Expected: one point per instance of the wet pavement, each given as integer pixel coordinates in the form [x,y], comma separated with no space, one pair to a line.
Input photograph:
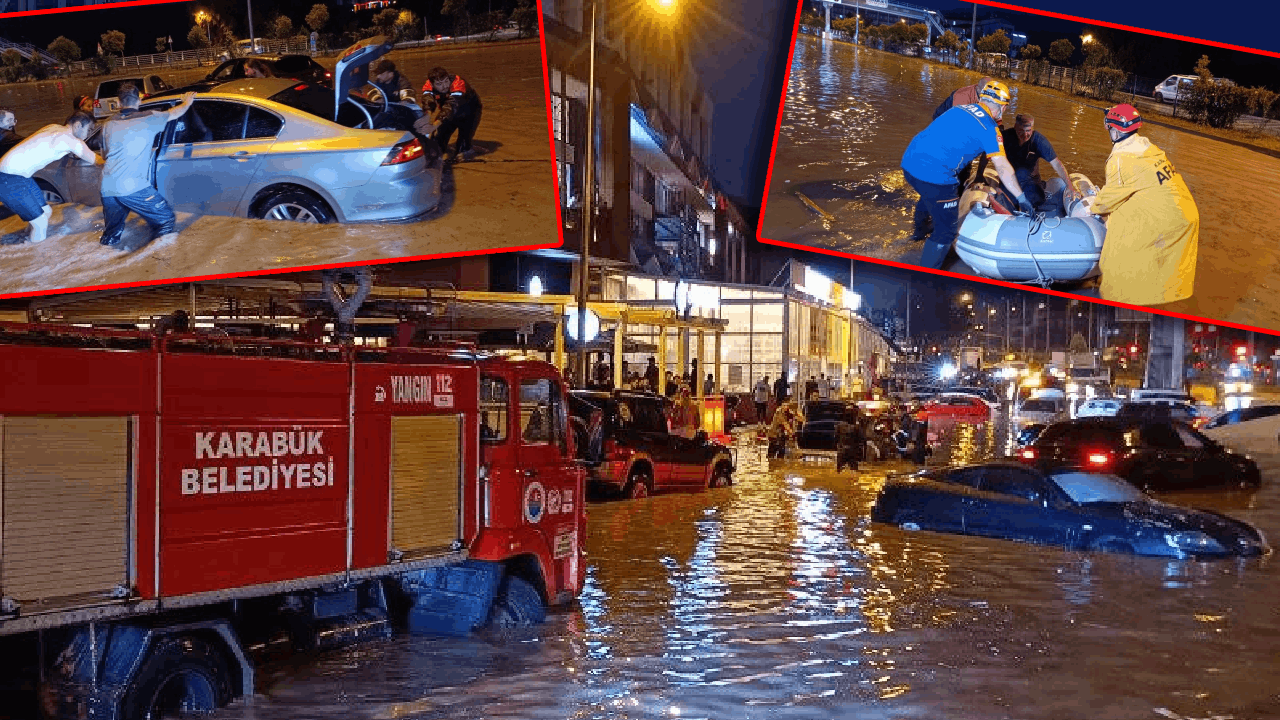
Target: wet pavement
[850,113]
[777,598]
[505,197]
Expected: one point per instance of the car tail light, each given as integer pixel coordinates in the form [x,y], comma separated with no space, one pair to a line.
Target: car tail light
[1028,453]
[300,87]
[404,152]
[1097,458]
[97,103]
[327,75]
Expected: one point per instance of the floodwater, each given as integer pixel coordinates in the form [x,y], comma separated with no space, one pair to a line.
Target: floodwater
[850,113]
[777,598]
[503,198]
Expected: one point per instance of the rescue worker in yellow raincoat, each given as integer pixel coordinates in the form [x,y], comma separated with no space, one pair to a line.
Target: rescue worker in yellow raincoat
[1153,227]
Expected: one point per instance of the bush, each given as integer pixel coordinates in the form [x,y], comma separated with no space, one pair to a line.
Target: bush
[1106,81]
[1215,103]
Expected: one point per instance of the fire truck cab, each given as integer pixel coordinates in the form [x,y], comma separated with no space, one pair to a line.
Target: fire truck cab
[171,504]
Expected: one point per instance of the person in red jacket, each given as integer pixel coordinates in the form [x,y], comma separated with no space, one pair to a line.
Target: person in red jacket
[457,108]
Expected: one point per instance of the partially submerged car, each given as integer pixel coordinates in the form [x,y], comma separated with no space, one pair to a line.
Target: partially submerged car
[624,440]
[1062,506]
[1158,455]
[282,149]
[818,433]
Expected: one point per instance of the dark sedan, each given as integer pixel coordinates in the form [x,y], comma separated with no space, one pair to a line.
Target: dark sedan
[1159,455]
[297,67]
[820,420]
[1066,507]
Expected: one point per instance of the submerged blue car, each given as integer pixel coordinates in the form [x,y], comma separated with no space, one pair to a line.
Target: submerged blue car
[1067,507]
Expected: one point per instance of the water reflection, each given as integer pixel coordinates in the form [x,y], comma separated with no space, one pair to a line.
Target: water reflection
[776,598]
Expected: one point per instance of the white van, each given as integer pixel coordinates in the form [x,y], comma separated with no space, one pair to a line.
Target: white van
[1173,87]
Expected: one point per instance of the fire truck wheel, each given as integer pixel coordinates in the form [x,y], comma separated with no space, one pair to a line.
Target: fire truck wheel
[722,478]
[638,485]
[517,604]
[182,677]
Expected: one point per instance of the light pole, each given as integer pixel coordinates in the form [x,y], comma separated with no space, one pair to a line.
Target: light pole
[588,204]
[253,43]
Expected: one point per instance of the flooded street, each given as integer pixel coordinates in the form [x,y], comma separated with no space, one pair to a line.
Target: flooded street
[850,113]
[777,598]
[503,198]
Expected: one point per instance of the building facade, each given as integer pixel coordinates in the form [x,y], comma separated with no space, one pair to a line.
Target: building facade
[656,204]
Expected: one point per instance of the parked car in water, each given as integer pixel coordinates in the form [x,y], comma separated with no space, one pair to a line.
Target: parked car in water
[298,67]
[820,420]
[105,103]
[1059,506]
[1041,410]
[1255,428]
[1158,455]
[623,439]
[1098,407]
[1182,412]
[281,149]
[957,405]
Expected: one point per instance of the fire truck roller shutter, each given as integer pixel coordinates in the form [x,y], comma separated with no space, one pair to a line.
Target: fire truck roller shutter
[426,491]
[71,474]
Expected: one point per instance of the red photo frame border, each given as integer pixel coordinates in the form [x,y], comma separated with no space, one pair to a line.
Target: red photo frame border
[786,82]
[555,190]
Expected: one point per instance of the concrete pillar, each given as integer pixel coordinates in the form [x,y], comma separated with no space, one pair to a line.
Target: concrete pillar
[619,335]
[717,351]
[1166,353]
[826,29]
[559,348]
[682,353]
[662,360]
[702,364]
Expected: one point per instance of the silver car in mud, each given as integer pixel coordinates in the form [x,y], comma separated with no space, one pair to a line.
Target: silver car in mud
[281,149]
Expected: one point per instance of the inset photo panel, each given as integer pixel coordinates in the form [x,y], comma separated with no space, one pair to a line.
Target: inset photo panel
[1051,153]
[152,142]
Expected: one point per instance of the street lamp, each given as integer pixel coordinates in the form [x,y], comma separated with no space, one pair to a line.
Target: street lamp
[1086,39]
[588,200]
[203,18]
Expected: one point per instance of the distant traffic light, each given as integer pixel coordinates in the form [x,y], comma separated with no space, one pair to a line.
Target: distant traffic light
[1242,350]
[1133,349]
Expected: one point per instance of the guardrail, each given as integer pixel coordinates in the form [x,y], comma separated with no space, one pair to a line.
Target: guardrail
[300,45]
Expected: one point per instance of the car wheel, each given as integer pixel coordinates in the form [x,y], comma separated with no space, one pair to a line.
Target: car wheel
[721,478]
[181,677]
[1159,98]
[295,206]
[51,195]
[638,485]
[517,604]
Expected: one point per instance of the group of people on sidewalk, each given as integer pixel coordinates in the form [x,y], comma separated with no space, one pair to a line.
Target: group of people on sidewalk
[1152,240]
[127,141]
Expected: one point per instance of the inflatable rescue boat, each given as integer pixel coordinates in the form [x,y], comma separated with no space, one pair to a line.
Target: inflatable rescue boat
[1059,242]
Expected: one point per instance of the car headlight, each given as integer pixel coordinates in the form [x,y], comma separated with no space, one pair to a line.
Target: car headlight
[1193,541]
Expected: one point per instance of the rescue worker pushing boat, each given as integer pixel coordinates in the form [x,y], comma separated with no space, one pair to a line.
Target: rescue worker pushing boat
[1153,225]
[938,153]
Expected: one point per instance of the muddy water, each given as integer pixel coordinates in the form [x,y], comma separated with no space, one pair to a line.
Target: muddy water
[850,113]
[503,198]
[776,598]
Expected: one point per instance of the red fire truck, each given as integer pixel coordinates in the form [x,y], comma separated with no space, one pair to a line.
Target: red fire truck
[173,503]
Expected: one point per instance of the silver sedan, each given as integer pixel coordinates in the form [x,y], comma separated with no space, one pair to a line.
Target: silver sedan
[276,148]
